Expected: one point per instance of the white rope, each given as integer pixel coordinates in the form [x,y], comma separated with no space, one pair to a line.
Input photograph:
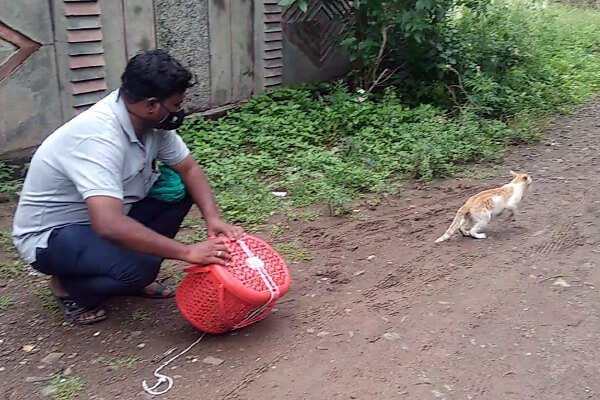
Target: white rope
[256,264]
[164,378]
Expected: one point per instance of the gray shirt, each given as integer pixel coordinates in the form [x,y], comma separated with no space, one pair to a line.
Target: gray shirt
[96,153]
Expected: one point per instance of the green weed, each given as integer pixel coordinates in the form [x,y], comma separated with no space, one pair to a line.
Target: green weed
[6,302]
[305,216]
[8,184]
[117,364]
[195,237]
[174,272]
[359,216]
[48,301]
[6,242]
[12,269]
[141,316]
[293,251]
[189,223]
[67,388]
[276,231]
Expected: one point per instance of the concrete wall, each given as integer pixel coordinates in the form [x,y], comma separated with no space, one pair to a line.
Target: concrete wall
[29,90]
[182,29]
[79,48]
[231,51]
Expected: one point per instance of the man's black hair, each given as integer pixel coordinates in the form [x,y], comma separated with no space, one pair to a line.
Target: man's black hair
[154,74]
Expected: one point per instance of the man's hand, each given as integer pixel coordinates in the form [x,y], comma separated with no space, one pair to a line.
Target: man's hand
[208,252]
[218,226]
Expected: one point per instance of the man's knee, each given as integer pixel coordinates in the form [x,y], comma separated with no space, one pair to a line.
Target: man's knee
[139,272]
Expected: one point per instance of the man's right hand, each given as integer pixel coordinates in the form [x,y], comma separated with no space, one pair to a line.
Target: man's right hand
[211,251]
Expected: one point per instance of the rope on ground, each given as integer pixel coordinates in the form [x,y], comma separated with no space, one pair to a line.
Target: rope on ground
[161,378]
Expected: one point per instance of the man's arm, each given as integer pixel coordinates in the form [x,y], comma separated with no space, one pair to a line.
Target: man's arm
[94,166]
[197,185]
[195,181]
[109,222]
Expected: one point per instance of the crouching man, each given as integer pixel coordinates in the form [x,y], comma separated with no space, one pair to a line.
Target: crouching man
[84,216]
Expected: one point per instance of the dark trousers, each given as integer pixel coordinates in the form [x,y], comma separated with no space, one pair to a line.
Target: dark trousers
[92,269]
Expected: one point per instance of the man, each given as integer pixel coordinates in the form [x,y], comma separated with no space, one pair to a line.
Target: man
[84,216]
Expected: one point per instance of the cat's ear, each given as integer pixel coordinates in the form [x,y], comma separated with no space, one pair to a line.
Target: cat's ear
[513,173]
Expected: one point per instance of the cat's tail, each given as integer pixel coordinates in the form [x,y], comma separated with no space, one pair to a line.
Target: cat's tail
[459,219]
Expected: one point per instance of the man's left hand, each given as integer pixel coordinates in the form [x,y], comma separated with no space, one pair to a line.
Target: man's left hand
[217,227]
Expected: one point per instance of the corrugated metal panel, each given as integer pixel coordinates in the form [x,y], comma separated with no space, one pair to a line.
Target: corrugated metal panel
[94,60]
[86,52]
[273,44]
[86,48]
[84,74]
[90,86]
[84,35]
[82,8]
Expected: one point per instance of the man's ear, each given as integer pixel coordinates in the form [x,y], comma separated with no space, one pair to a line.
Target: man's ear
[152,105]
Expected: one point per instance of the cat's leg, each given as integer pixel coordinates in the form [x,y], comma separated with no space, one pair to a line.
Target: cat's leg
[481,220]
[466,225]
[512,213]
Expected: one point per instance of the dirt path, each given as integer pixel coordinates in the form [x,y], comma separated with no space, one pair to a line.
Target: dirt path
[380,312]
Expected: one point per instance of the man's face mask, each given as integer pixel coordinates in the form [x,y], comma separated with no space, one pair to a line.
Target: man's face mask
[172,120]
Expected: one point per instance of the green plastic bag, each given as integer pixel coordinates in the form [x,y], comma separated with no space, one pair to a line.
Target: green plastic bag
[169,187]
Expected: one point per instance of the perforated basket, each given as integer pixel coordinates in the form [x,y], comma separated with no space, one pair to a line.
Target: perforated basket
[217,299]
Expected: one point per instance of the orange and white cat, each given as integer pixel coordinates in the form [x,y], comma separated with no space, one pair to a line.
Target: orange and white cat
[477,212]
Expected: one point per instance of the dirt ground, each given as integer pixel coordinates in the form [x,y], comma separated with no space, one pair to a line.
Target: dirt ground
[380,312]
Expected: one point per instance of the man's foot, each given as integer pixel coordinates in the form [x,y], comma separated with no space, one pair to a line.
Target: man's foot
[159,289]
[71,310]
[78,315]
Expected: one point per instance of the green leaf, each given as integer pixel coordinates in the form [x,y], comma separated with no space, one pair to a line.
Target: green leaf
[303,5]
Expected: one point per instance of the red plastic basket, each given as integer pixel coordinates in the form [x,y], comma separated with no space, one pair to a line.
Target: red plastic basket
[217,299]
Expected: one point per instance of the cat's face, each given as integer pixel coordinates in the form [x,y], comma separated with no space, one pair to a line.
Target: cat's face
[521,178]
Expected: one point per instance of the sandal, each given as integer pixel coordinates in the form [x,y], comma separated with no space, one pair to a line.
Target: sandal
[159,290]
[73,312]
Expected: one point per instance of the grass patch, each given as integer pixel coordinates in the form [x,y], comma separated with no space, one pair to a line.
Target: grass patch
[359,216]
[8,183]
[117,364]
[67,388]
[190,223]
[276,231]
[48,301]
[174,272]
[12,269]
[329,149]
[6,302]
[306,216]
[6,242]
[293,251]
[141,316]
[196,237]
